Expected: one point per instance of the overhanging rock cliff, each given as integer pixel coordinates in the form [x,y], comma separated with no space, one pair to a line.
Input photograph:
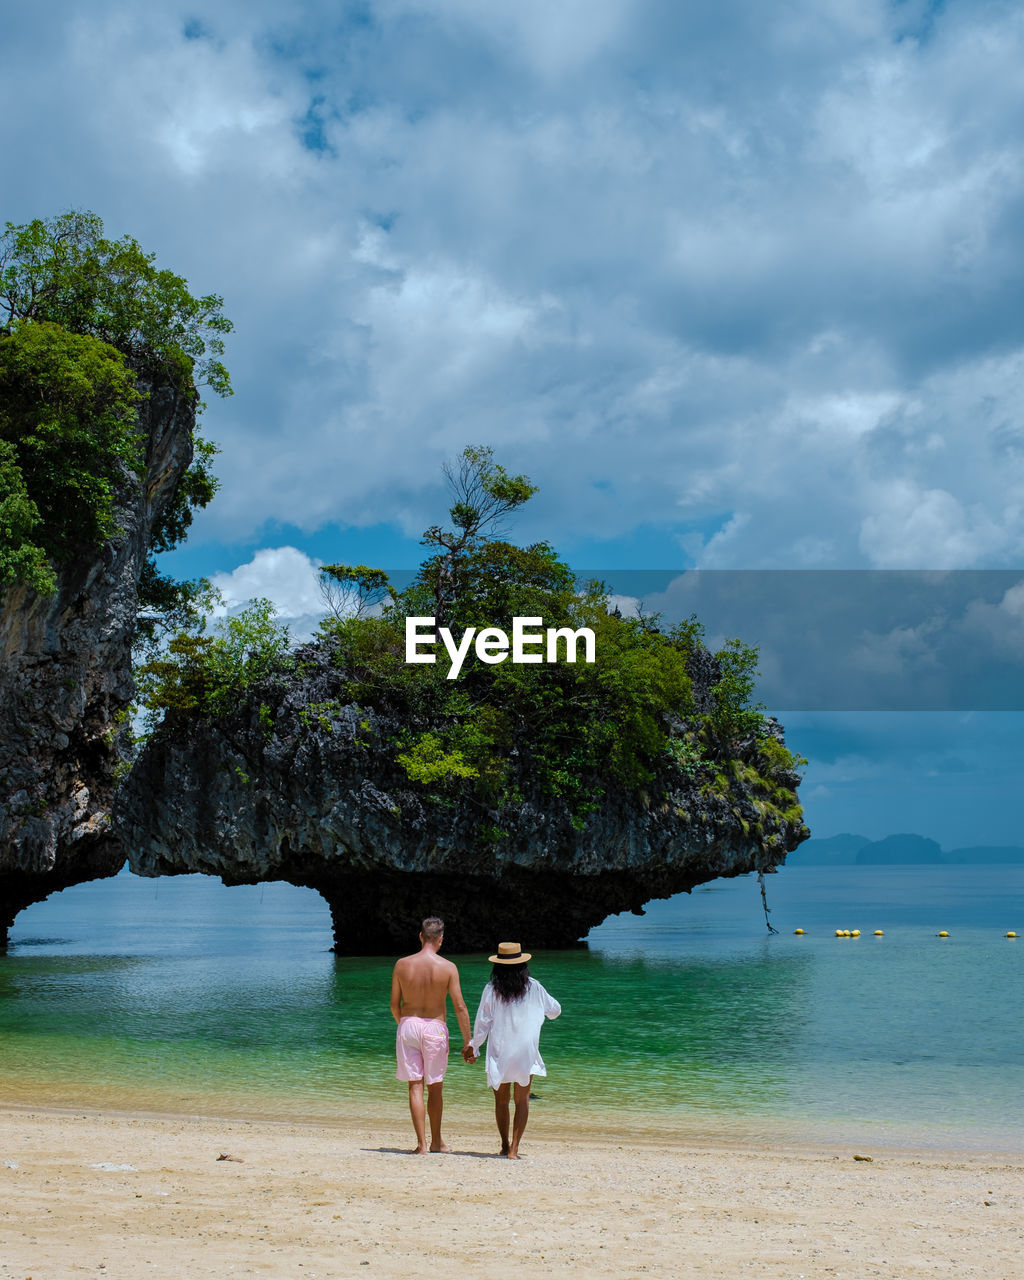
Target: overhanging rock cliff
[66,683]
[298,786]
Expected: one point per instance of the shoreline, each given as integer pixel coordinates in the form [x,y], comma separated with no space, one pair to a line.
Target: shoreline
[617,1127]
[133,1194]
[638,1129]
[739,1129]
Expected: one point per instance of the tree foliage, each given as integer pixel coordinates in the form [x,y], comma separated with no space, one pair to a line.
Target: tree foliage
[21,558]
[81,318]
[67,414]
[64,271]
[484,496]
[207,673]
[352,591]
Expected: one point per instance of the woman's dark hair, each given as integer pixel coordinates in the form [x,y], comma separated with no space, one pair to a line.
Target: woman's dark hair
[509,981]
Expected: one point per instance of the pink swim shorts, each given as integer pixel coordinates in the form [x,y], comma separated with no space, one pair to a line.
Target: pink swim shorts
[421,1047]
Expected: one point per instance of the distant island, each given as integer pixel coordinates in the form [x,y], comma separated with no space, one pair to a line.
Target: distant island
[849,850]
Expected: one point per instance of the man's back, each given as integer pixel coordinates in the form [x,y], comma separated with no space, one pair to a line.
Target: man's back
[423,981]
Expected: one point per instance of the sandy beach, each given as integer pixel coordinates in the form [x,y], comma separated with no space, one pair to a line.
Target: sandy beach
[146,1195]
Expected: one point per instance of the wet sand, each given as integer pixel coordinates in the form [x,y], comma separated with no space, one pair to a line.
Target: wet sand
[123,1195]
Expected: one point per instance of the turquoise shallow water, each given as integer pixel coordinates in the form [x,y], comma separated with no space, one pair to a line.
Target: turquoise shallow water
[182,994]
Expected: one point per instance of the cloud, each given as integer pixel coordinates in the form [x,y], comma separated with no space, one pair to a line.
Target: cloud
[283,575]
[873,640]
[999,626]
[749,277]
[550,40]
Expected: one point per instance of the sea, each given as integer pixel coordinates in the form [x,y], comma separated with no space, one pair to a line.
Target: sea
[181,995]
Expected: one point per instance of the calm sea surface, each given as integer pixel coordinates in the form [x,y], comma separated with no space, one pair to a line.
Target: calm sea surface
[182,994]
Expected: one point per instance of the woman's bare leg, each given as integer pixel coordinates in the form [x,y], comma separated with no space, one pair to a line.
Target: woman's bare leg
[501,1096]
[522,1099]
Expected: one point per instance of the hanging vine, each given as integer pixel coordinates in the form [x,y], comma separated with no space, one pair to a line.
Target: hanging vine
[764,902]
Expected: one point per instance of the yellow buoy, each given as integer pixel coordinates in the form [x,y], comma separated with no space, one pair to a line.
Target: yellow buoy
[943,934]
[879,933]
[855,933]
[798,930]
[1011,934]
[839,933]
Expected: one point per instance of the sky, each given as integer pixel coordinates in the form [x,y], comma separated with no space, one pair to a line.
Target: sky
[738,286]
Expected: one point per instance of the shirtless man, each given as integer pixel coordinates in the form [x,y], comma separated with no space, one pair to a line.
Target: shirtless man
[420,985]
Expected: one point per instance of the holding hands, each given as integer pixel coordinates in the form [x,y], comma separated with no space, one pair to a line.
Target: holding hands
[468,1053]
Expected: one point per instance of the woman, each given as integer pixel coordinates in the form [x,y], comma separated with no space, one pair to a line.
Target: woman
[511,1013]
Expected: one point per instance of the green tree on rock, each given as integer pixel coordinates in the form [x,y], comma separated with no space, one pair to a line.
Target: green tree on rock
[65,271]
[83,319]
[484,497]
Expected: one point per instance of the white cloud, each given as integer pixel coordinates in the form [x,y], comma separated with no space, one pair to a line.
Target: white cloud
[916,527]
[628,606]
[283,575]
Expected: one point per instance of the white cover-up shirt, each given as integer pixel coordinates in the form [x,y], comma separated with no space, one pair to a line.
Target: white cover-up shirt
[512,1032]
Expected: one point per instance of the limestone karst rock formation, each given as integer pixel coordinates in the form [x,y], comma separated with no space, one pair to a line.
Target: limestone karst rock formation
[298,785]
[66,681]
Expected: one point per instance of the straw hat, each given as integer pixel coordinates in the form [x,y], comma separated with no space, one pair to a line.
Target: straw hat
[510,953]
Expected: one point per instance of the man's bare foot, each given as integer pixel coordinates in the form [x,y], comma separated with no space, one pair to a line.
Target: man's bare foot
[442,1148]
[512,1153]
[504,1148]
[418,1151]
